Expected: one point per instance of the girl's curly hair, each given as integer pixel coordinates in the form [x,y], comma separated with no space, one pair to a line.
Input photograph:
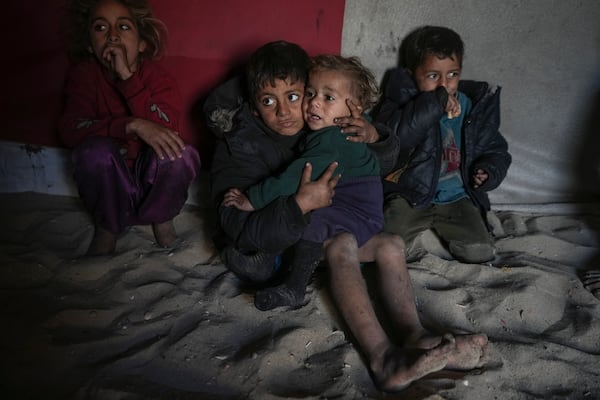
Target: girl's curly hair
[151,30]
[364,86]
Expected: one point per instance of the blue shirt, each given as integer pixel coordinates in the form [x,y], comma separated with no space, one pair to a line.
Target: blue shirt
[450,185]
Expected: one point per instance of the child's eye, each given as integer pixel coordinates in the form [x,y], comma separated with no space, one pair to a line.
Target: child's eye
[293,97]
[267,101]
[432,76]
[98,27]
[454,74]
[124,27]
[309,94]
[329,98]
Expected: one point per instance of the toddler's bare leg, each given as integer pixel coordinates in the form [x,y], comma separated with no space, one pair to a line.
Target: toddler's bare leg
[397,291]
[393,368]
[387,250]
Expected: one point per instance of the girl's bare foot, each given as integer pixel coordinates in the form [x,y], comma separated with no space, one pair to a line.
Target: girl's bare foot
[400,367]
[164,233]
[103,243]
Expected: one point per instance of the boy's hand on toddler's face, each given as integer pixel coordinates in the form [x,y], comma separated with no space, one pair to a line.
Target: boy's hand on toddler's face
[164,141]
[479,178]
[355,126]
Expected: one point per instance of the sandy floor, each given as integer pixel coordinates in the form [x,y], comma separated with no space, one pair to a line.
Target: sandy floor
[150,323]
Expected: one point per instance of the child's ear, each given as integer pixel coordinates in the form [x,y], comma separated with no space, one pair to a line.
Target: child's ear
[142,46]
[90,50]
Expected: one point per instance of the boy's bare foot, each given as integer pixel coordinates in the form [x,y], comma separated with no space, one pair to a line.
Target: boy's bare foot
[164,233]
[103,242]
[400,367]
[591,281]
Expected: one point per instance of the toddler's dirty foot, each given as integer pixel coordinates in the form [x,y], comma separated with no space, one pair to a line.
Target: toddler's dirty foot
[278,296]
[400,366]
[103,243]
[469,352]
[164,233]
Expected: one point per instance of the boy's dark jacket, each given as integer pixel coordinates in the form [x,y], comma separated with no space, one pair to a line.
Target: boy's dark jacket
[414,118]
[247,152]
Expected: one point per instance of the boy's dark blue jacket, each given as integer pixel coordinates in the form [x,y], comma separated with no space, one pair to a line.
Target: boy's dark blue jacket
[247,152]
[414,118]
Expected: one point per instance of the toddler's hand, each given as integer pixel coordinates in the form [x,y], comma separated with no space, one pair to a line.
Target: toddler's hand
[235,198]
[312,195]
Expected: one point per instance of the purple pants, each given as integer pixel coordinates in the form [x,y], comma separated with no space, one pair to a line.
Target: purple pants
[357,208]
[153,191]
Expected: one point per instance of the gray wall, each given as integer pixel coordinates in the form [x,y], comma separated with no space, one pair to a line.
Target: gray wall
[546,57]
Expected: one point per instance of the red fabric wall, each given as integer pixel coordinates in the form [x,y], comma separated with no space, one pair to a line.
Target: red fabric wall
[207,41]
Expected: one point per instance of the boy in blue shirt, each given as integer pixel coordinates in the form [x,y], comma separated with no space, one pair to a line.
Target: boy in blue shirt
[451,153]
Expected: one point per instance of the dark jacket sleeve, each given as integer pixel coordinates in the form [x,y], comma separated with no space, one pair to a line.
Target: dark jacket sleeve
[490,149]
[386,149]
[408,113]
[271,229]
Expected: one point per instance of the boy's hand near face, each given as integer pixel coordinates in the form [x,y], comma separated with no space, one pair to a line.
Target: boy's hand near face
[355,126]
[452,106]
[479,178]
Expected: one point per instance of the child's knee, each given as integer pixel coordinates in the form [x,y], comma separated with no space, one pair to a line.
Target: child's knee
[188,165]
[394,240]
[95,154]
[472,253]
